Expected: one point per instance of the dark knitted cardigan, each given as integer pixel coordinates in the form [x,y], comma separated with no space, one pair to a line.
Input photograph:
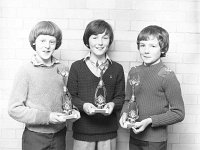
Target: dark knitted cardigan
[158,96]
[82,84]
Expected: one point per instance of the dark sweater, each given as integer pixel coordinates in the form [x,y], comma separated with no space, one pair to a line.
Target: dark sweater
[158,96]
[82,84]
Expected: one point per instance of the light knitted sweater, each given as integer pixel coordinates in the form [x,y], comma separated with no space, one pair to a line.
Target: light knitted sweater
[36,92]
[158,96]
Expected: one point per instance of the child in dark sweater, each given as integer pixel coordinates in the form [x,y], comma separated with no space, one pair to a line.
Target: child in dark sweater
[96,130]
[157,94]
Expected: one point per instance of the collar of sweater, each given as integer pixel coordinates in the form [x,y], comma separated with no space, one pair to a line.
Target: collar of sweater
[153,67]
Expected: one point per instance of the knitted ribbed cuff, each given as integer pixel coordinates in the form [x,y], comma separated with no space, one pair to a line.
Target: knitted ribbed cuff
[94,137]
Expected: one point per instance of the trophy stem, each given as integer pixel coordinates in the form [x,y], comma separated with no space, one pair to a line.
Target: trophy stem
[66,99]
[64,89]
[132,105]
[133,93]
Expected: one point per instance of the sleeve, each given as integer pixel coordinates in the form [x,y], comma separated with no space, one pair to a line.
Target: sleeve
[119,90]
[176,112]
[17,108]
[72,86]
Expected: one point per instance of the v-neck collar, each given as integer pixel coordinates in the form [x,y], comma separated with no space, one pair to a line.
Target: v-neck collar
[88,69]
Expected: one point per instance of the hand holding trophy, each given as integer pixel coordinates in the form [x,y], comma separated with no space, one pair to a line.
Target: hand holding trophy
[133,115]
[67,104]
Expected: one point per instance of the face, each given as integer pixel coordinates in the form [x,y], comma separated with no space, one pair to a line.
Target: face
[99,44]
[150,51]
[45,46]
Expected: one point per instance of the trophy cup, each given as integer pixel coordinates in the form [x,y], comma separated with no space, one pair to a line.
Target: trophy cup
[67,104]
[133,115]
[100,95]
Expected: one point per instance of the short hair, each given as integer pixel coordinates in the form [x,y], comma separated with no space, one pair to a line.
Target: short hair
[45,28]
[158,32]
[97,27]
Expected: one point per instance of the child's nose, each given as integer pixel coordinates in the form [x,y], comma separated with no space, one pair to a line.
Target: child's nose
[100,41]
[47,44]
[146,49]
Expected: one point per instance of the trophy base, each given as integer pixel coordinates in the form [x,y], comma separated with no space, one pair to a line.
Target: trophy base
[129,125]
[71,116]
[102,111]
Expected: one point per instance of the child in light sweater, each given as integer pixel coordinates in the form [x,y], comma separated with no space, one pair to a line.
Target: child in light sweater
[157,93]
[37,95]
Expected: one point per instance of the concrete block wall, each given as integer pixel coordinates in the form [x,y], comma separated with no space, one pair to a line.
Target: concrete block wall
[127,17]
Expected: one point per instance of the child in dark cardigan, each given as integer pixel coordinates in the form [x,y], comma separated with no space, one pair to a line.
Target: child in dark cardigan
[157,94]
[96,130]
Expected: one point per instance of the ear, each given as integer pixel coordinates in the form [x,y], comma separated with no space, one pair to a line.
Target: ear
[87,46]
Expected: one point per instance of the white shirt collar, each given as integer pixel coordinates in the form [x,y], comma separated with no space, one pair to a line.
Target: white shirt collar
[36,62]
[89,54]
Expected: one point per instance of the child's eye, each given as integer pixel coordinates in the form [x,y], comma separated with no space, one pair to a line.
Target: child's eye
[52,42]
[42,40]
[105,37]
[93,36]
[142,45]
[153,46]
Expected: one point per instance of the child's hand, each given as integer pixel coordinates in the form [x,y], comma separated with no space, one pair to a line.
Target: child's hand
[75,113]
[109,108]
[56,118]
[89,108]
[123,120]
[141,126]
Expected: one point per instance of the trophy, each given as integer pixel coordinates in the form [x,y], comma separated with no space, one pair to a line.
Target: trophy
[100,94]
[133,115]
[67,104]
